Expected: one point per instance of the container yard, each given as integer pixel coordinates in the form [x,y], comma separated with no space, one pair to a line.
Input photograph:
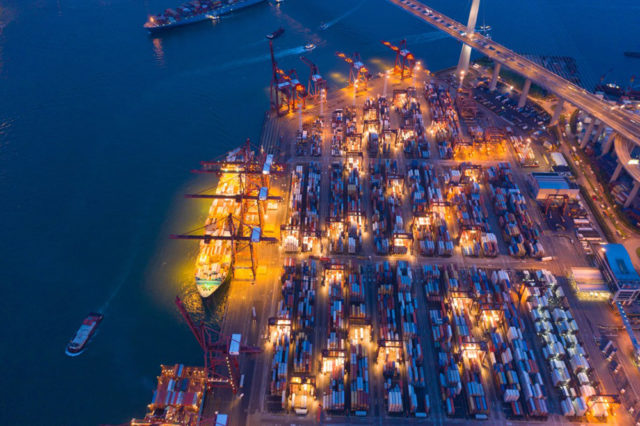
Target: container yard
[519,231]
[407,283]
[474,227]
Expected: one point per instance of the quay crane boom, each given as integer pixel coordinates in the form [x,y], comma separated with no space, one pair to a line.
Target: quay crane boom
[316,83]
[221,353]
[404,58]
[358,72]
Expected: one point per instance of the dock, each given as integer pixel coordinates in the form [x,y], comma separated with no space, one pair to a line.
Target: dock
[407,283]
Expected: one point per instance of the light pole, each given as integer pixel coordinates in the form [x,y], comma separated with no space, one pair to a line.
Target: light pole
[386,80]
[355,90]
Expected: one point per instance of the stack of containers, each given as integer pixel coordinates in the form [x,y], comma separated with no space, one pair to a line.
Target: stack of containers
[357,305]
[519,231]
[354,208]
[390,344]
[557,331]
[445,122]
[379,221]
[279,367]
[415,145]
[334,399]
[337,321]
[292,244]
[417,396]
[303,350]
[310,224]
[476,398]
[305,312]
[450,280]
[336,209]
[359,369]
[431,279]
[449,374]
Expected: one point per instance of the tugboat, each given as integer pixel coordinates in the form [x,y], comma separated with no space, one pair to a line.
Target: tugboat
[88,327]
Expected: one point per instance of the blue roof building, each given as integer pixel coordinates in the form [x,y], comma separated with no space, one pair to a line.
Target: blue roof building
[620,271]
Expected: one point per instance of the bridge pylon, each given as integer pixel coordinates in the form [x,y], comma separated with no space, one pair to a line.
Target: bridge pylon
[465,53]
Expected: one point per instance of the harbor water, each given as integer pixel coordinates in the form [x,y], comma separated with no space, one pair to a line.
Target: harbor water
[100,124]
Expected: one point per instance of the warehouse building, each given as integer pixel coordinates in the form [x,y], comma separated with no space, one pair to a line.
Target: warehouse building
[618,269]
[548,185]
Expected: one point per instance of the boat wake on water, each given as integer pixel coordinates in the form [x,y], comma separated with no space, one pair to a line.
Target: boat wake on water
[262,58]
[424,37]
[329,24]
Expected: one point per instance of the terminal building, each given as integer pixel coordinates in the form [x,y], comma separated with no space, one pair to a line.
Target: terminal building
[619,271]
[549,185]
[589,283]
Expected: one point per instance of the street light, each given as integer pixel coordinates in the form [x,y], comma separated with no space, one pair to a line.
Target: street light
[386,80]
[355,90]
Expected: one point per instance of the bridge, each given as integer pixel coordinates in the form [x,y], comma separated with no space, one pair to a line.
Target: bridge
[624,125]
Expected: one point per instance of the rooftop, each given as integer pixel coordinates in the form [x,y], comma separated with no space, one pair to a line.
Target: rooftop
[550,180]
[589,279]
[620,263]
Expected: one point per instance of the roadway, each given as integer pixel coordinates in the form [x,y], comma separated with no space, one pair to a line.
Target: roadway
[624,123]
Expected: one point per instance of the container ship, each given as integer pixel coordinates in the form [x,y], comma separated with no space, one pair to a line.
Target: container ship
[195,11]
[214,262]
[84,333]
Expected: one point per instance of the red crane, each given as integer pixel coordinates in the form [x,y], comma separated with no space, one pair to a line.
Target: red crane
[241,236]
[278,83]
[358,72]
[298,91]
[316,83]
[220,352]
[253,176]
[404,58]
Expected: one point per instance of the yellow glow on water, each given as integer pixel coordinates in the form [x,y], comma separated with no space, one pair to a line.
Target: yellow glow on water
[339,77]
[171,270]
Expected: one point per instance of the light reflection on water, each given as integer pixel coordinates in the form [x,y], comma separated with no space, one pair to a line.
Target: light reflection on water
[158,51]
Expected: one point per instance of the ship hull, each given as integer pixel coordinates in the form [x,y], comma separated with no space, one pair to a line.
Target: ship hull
[208,16]
[207,287]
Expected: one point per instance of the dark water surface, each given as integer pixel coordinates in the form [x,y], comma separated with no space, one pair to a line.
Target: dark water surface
[99,127]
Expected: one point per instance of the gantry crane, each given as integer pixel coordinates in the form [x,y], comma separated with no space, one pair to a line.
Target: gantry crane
[276,75]
[241,235]
[404,58]
[221,353]
[316,83]
[358,72]
[298,91]
[253,176]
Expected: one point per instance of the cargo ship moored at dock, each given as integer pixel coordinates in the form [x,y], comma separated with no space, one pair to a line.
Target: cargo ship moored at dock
[195,11]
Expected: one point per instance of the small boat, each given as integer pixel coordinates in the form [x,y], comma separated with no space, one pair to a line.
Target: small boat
[277,33]
[324,26]
[87,329]
[309,47]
